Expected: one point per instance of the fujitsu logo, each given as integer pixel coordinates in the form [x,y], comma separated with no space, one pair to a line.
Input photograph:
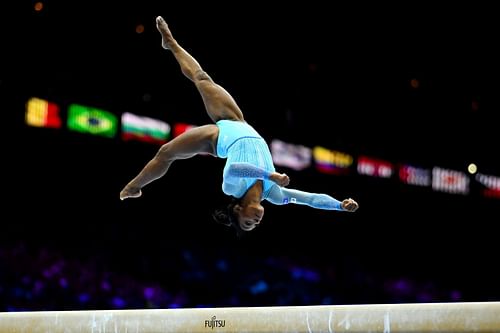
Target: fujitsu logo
[214,322]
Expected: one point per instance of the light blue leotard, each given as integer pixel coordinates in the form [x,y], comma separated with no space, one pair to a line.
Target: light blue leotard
[249,159]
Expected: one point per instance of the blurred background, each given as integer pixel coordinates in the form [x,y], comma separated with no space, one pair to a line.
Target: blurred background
[380,108]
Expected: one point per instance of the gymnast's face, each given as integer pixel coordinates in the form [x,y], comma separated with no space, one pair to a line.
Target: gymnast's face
[249,216]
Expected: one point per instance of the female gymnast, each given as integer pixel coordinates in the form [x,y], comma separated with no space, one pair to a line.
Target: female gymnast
[249,176]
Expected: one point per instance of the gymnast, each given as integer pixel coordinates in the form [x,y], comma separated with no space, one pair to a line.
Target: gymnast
[249,176]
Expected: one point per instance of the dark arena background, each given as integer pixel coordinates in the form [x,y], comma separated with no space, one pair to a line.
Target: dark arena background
[371,107]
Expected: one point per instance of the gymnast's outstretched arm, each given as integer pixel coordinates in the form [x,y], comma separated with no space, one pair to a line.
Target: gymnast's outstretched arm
[282,196]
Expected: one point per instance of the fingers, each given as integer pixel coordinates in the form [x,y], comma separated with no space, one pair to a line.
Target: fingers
[350,205]
[285,179]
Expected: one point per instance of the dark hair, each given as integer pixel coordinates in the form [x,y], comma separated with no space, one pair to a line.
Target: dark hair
[228,217]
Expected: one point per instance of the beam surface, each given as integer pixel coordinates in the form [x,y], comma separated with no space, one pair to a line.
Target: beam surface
[385,318]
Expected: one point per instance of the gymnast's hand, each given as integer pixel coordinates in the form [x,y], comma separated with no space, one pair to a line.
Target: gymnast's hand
[349,205]
[280,178]
[130,192]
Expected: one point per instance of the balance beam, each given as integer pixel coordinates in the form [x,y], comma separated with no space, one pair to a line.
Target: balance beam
[384,318]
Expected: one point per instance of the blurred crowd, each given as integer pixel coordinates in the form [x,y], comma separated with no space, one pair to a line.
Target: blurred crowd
[44,279]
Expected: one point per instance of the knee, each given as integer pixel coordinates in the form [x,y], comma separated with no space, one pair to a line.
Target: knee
[201,75]
[164,154]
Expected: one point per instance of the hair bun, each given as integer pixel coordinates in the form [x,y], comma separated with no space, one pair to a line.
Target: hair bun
[220,216]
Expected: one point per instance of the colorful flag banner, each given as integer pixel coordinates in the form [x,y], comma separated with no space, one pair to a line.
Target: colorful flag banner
[92,121]
[41,113]
[145,129]
[331,161]
[451,181]
[292,156]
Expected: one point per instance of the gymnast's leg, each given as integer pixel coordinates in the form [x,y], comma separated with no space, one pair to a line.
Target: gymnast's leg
[201,139]
[219,104]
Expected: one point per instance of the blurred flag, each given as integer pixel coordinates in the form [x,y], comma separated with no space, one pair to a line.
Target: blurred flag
[289,155]
[331,161]
[180,128]
[374,167]
[415,176]
[490,185]
[145,129]
[91,120]
[450,181]
[41,113]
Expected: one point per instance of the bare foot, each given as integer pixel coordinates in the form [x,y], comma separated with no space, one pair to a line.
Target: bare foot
[128,192]
[166,35]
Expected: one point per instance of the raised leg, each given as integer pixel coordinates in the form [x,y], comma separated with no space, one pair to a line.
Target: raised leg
[201,139]
[218,102]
